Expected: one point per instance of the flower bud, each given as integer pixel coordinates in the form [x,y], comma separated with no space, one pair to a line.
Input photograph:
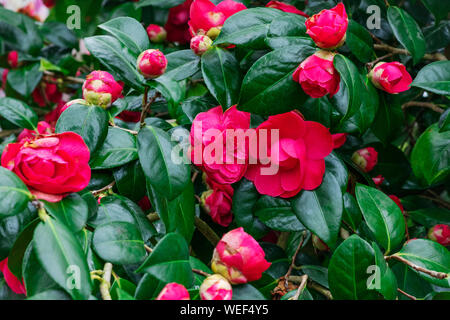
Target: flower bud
[173,291]
[365,158]
[317,75]
[101,89]
[13,59]
[378,180]
[328,28]
[217,202]
[239,258]
[216,287]
[391,77]
[4,78]
[319,244]
[440,233]
[156,34]
[49,3]
[200,44]
[397,201]
[151,63]
[286,8]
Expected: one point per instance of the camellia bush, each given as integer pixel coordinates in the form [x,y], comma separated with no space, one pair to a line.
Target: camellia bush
[218,150]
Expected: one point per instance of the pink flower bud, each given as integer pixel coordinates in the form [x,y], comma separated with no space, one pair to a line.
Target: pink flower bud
[391,77]
[11,280]
[378,180]
[13,59]
[397,201]
[285,7]
[101,89]
[317,75]
[200,44]
[239,258]
[328,28]
[216,287]
[151,63]
[440,233]
[173,291]
[319,244]
[156,34]
[218,201]
[365,158]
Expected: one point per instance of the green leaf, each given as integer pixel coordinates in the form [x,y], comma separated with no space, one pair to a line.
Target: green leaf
[118,149]
[90,122]
[288,30]
[352,215]
[129,180]
[385,281]
[429,255]
[169,261]
[119,243]
[277,214]
[430,217]
[25,80]
[122,289]
[62,257]
[222,75]
[430,157]
[347,271]
[71,211]
[359,42]
[388,120]
[14,194]
[248,27]
[269,76]
[52,294]
[320,210]
[383,216]
[246,292]
[407,32]
[439,9]
[173,91]
[128,31]
[181,65]
[166,4]
[410,282]
[434,77]
[336,166]
[18,113]
[155,154]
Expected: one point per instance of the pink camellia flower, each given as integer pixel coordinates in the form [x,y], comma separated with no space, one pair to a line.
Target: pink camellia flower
[317,75]
[391,77]
[440,233]
[239,258]
[11,280]
[51,166]
[328,28]
[338,139]
[378,180]
[13,59]
[285,7]
[4,78]
[216,287]
[209,144]
[294,160]
[177,26]
[46,92]
[152,63]
[365,158]
[319,244]
[43,128]
[101,89]
[173,291]
[156,34]
[397,201]
[200,44]
[207,18]
[218,202]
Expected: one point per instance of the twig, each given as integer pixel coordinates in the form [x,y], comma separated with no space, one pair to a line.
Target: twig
[152,217]
[148,249]
[133,132]
[428,56]
[406,294]
[434,274]
[6,133]
[146,106]
[370,64]
[437,200]
[105,283]
[317,287]
[105,188]
[428,105]
[301,287]
[206,231]
[200,272]
[67,78]
[288,273]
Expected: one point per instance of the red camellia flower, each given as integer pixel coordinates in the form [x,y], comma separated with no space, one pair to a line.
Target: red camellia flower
[209,144]
[177,26]
[101,89]
[216,287]
[173,291]
[397,201]
[218,202]
[239,258]
[440,233]
[4,78]
[294,160]
[43,128]
[156,34]
[46,92]
[317,75]
[200,44]
[285,7]
[11,280]
[13,59]
[152,63]
[338,139]
[207,18]
[365,158]
[49,3]
[51,166]
[391,77]
[378,180]
[328,28]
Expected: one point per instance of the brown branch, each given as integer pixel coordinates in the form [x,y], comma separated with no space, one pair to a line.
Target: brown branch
[148,249]
[146,106]
[301,287]
[65,78]
[434,274]
[112,124]
[206,231]
[200,272]
[437,200]
[428,56]
[406,294]
[288,273]
[428,105]
[152,217]
[317,287]
[370,64]
[105,188]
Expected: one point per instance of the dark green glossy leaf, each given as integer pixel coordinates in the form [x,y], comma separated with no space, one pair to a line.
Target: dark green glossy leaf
[18,113]
[160,4]
[352,215]
[181,65]
[71,211]
[14,194]
[359,42]
[130,180]
[385,281]
[430,217]
[286,31]
[277,214]
[246,292]
[434,77]
[25,80]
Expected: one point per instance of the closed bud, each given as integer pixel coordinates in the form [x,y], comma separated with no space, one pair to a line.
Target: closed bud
[156,34]
[13,59]
[173,291]
[200,44]
[391,77]
[216,287]
[101,89]
[365,158]
[440,233]
[151,63]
